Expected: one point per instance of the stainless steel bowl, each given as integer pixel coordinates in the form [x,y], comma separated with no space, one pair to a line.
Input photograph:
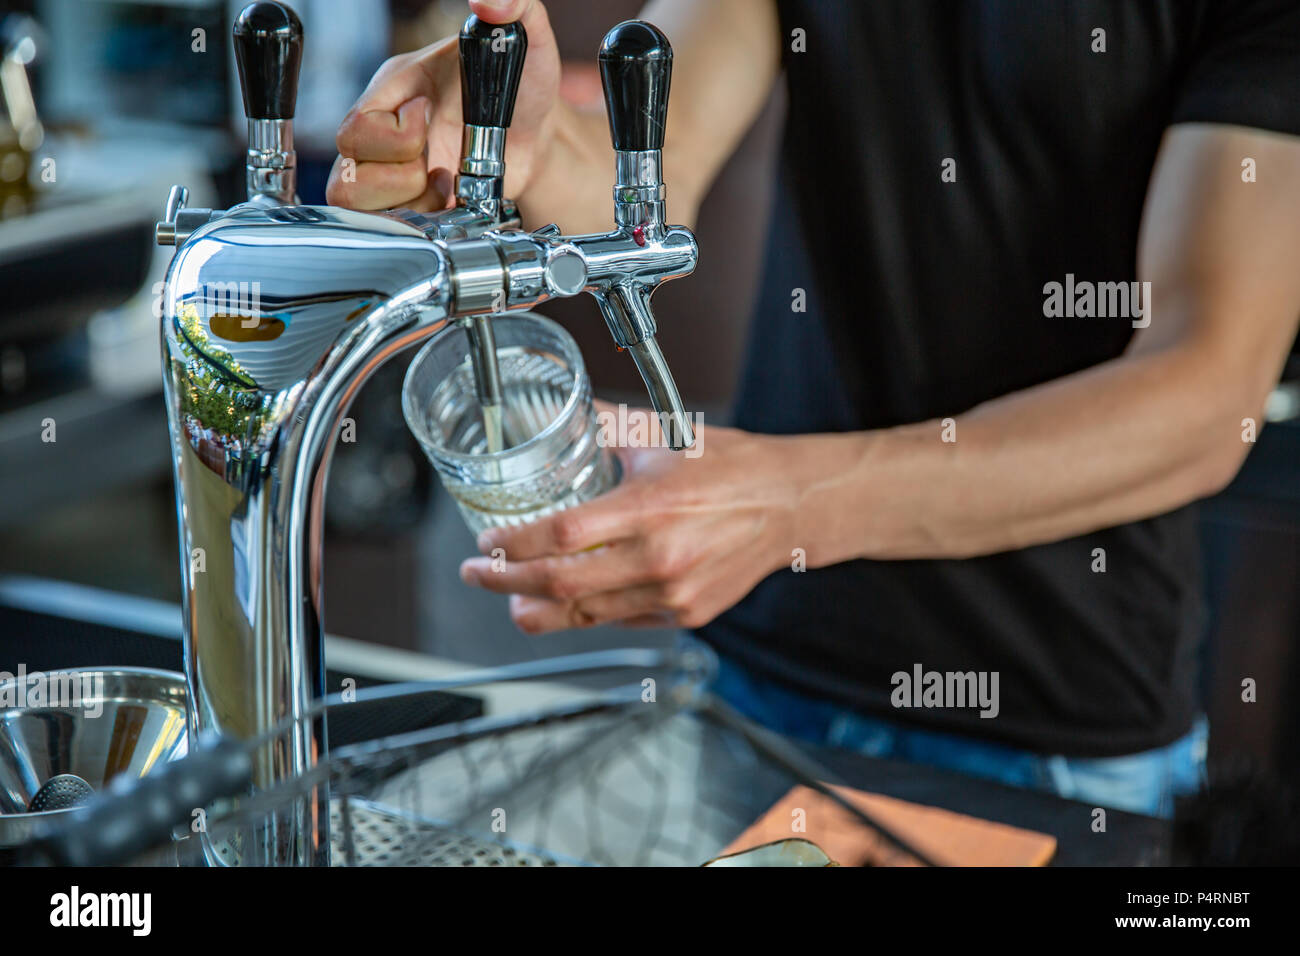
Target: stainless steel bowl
[95,722]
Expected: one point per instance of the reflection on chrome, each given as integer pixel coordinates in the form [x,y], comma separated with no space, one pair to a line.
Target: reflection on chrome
[253,419]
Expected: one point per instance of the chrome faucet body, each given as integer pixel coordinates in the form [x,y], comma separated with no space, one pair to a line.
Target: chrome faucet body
[273,317]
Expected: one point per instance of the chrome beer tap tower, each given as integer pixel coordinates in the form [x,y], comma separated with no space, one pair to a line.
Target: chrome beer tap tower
[274,315]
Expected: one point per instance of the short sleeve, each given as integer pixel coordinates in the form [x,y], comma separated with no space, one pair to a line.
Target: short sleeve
[1244,67]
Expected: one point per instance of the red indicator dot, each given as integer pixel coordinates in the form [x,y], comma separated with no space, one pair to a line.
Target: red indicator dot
[638,235]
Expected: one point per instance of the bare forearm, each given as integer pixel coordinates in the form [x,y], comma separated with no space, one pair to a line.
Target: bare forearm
[725,59]
[1125,440]
[726,56]
[1145,433]
[573,184]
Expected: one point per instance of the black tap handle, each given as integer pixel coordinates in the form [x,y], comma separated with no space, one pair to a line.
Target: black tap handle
[268,50]
[491,60]
[636,68]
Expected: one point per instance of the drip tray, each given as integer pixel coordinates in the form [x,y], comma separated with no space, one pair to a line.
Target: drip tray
[382,836]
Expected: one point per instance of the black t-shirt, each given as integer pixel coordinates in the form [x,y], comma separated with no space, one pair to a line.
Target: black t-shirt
[925,297]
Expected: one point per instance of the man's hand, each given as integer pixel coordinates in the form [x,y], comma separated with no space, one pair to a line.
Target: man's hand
[400,144]
[678,541]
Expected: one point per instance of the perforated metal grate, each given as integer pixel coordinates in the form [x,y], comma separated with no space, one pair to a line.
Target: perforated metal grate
[380,837]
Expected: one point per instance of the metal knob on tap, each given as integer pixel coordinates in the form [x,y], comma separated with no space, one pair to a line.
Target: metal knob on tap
[491,62]
[268,51]
[636,64]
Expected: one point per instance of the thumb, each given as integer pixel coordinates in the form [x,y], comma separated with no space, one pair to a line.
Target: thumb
[501,11]
[539,85]
[531,14]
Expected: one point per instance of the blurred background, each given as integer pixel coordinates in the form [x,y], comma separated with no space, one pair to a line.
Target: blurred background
[108,103]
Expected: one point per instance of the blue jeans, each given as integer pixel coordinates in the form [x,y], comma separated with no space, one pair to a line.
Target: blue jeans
[1144,782]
